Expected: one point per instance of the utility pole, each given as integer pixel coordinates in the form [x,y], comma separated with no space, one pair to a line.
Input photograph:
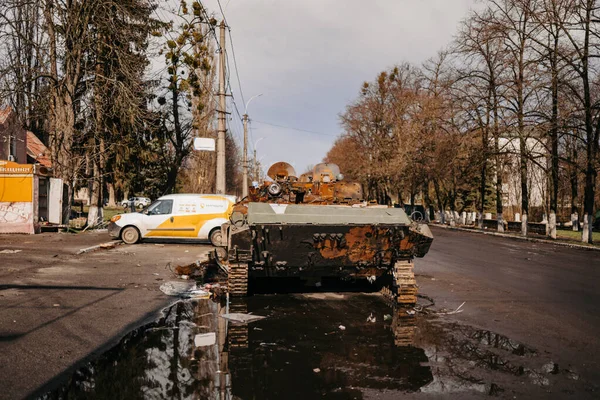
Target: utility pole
[222,115]
[245,177]
[256,177]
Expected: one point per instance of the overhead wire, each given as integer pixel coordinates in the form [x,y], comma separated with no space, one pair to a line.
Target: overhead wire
[234,62]
[296,129]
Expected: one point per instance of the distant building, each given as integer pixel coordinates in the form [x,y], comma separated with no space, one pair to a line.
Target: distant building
[537,181]
[30,197]
[13,138]
[37,152]
[19,145]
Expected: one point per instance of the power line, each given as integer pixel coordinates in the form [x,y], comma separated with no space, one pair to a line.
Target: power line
[296,129]
[232,53]
[237,72]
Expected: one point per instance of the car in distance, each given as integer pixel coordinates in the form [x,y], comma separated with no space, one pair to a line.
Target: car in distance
[138,202]
[176,216]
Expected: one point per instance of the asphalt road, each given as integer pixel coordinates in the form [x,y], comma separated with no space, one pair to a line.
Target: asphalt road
[544,295]
[58,310]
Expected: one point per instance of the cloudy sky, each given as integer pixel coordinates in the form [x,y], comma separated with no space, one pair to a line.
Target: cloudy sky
[308,58]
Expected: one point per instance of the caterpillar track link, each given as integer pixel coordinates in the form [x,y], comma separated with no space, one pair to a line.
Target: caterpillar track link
[404,327]
[403,291]
[237,334]
[237,279]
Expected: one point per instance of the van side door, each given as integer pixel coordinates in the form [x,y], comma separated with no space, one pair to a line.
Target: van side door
[187,212]
[159,220]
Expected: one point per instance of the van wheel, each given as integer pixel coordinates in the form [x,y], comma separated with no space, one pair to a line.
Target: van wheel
[216,237]
[130,235]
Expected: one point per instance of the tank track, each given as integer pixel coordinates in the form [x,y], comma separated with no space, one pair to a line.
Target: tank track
[237,335]
[404,327]
[403,290]
[237,279]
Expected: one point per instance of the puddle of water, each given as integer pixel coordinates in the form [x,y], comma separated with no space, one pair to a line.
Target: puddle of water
[311,347]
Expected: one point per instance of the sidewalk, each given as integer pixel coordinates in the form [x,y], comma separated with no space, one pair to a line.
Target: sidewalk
[514,235]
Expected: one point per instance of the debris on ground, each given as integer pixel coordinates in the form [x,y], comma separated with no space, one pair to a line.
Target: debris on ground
[201,271]
[446,312]
[194,269]
[184,290]
[371,318]
[242,318]
[216,290]
[205,339]
[316,370]
[342,327]
[9,251]
[387,317]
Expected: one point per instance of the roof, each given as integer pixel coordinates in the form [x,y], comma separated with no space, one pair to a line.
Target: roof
[303,214]
[177,195]
[4,114]
[37,150]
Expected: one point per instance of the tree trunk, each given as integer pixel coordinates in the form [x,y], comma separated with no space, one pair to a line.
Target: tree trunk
[524,186]
[111,195]
[441,207]
[95,213]
[574,195]
[554,141]
[499,206]
[482,204]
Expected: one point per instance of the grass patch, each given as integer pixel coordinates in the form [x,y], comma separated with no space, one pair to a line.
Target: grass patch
[109,212]
[573,235]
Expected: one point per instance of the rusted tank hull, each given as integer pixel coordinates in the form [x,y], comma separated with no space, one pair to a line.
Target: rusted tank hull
[280,250]
[327,241]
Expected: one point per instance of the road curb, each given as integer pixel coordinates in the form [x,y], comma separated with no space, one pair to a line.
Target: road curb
[529,239]
[107,245]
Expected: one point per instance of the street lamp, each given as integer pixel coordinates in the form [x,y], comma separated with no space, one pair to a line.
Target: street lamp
[245,177]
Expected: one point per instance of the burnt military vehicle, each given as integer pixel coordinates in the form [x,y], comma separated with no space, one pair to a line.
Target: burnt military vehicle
[319,226]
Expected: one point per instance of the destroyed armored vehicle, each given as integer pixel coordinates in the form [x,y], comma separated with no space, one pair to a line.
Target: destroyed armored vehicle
[319,227]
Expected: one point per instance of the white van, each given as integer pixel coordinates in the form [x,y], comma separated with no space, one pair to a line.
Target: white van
[176,216]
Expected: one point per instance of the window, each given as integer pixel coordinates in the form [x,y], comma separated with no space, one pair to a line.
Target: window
[161,207]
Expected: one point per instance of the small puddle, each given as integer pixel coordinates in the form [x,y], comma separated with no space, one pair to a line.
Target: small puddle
[335,346]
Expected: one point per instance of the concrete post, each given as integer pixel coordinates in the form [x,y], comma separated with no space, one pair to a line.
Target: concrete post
[463,218]
[586,234]
[552,225]
[524,225]
[245,159]
[256,177]
[575,221]
[500,222]
[222,115]
[517,217]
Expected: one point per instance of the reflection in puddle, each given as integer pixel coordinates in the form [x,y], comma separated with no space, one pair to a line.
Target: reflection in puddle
[327,347]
